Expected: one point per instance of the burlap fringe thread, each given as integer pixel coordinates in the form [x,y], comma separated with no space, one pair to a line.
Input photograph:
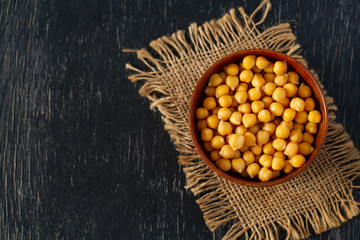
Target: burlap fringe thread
[222,36]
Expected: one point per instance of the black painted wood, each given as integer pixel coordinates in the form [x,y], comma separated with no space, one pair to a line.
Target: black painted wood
[81,154]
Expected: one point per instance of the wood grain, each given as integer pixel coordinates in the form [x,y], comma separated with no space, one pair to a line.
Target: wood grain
[81,154]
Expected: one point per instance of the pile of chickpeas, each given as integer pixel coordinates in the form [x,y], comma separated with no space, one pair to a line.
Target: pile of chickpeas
[258,119]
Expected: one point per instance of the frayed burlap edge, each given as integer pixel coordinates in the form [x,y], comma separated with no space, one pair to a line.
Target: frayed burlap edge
[216,207]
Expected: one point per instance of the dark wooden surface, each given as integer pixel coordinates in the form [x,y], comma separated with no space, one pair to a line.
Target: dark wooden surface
[81,154]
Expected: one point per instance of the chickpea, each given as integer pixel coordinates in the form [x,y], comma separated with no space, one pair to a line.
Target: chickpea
[269,77]
[262,137]
[291,149]
[285,102]
[249,119]
[314,116]
[297,104]
[248,157]
[238,164]
[232,69]
[290,124]
[217,142]
[224,114]
[311,127]
[250,139]
[213,121]
[241,96]
[293,77]
[290,89]
[267,100]
[256,106]
[281,80]
[301,117]
[201,124]
[265,160]
[249,61]
[232,82]
[288,168]
[276,108]
[305,148]
[299,126]
[246,76]
[265,174]
[237,154]
[240,130]
[289,114]
[207,134]
[235,118]
[253,169]
[201,113]
[258,81]
[268,148]
[309,104]
[279,154]
[304,91]
[276,173]
[225,101]
[279,94]
[282,131]
[210,91]
[269,68]
[244,108]
[307,137]
[297,161]
[254,94]
[214,155]
[208,147]
[264,115]
[280,67]
[261,62]
[296,136]
[224,128]
[209,103]
[215,80]
[279,144]
[221,90]
[227,152]
[254,129]
[223,164]
[277,163]
[269,127]
[242,87]
[256,150]
[223,76]
[269,88]
[236,141]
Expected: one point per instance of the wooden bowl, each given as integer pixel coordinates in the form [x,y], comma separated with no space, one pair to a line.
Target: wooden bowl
[198,96]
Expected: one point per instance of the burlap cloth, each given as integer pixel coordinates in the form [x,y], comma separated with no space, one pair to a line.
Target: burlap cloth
[317,200]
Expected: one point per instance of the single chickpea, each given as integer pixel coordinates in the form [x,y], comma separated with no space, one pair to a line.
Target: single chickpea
[225,101]
[279,94]
[258,81]
[268,148]
[248,157]
[280,67]
[207,134]
[270,127]
[305,148]
[291,149]
[214,155]
[201,113]
[244,108]
[223,164]
[265,160]
[223,76]
[264,115]
[235,118]
[207,146]
[246,76]
[288,168]
[221,90]
[256,106]
[256,150]
[224,128]
[201,124]
[279,144]
[282,131]
[279,154]
[281,80]
[262,137]
[296,136]
[261,62]
[224,114]
[301,117]
[311,127]
[309,104]
[289,114]
[215,80]
[297,161]
[236,141]
[267,100]
[277,163]
[307,137]
[249,61]
[240,130]
[285,102]
[242,87]
[253,169]
[276,108]
[209,103]
[232,69]
[254,129]
[269,77]
[269,68]
[227,152]
[304,91]
[254,94]
[249,119]
[265,174]
[297,104]
[210,91]
[232,82]
[241,96]
[250,139]
[213,121]
[238,164]
[269,88]
[314,116]
[217,142]
[290,89]
[293,77]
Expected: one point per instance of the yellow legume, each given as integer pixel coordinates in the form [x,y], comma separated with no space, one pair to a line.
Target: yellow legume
[265,174]
[297,161]
[258,80]
[250,139]
[279,144]
[217,142]
[236,141]
[253,169]
[304,91]
[254,94]
[207,134]
[213,121]
[311,127]
[249,119]
[222,90]
[280,67]
[276,108]
[293,77]
[240,130]
[277,163]
[279,94]
[238,164]
[232,82]
[281,80]
[223,164]
[209,103]
[214,155]
[314,116]
[235,118]
[201,113]
[232,69]
[244,108]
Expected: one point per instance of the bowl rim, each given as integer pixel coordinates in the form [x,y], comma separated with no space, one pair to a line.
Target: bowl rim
[270,55]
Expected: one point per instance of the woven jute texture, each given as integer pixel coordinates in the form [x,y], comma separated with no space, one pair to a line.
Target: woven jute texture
[313,202]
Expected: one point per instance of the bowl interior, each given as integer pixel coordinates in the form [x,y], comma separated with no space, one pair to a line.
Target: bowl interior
[305,76]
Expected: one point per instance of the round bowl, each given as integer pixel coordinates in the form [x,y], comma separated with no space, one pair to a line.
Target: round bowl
[198,96]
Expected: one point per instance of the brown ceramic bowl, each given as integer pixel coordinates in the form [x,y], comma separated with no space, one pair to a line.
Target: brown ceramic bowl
[198,96]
